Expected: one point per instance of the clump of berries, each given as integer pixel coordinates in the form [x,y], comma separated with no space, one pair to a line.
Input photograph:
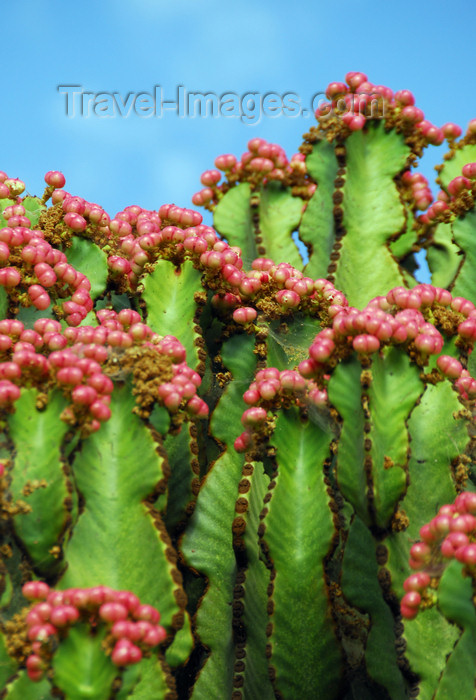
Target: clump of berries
[33,273]
[139,236]
[262,163]
[451,534]
[353,103]
[10,187]
[133,628]
[406,317]
[456,199]
[83,361]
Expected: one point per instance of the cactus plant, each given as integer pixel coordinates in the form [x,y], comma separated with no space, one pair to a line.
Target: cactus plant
[228,470]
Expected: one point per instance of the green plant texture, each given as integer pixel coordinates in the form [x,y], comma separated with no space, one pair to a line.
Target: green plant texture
[231,473]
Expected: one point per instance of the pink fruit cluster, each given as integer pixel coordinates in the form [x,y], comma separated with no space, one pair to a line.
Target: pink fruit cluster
[357,100]
[10,187]
[420,192]
[451,534]
[262,162]
[403,317]
[283,285]
[460,194]
[74,360]
[132,627]
[28,261]
[78,212]
[268,391]
[223,266]
[140,235]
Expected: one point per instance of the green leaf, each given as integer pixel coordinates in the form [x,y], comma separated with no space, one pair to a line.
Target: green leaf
[436,439]
[3,303]
[81,668]
[443,256]
[238,357]
[288,343]
[156,681]
[37,475]
[33,209]
[8,667]
[373,213]
[304,649]
[89,259]
[403,245]
[464,235]
[279,216]
[458,680]
[362,589]
[232,219]
[22,688]
[345,394]
[453,167]
[430,639]
[207,547]
[318,226]
[455,596]
[394,389]
[116,470]
[179,486]
[168,294]
[207,543]
[181,648]
[256,682]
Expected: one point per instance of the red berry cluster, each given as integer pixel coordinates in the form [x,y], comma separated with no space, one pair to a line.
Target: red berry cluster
[451,534]
[10,187]
[456,199]
[357,100]
[420,193]
[262,162]
[29,262]
[132,627]
[78,213]
[74,359]
[283,285]
[404,317]
[274,289]
[141,235]
[270,389]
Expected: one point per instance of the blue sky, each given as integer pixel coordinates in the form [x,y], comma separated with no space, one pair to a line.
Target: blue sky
[129,46]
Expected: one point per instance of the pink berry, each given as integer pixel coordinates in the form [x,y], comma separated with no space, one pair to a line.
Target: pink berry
[469,171]
[244,315]
[55,179]
[288,299]
[253,416]
[416,582]
[451,131]
[75,221]
[210,177]
[9,277]
[112,612]
[411,599]
[407,612]
[35,590]
[449,366]
[225,162]
[404,98]
[365,344]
